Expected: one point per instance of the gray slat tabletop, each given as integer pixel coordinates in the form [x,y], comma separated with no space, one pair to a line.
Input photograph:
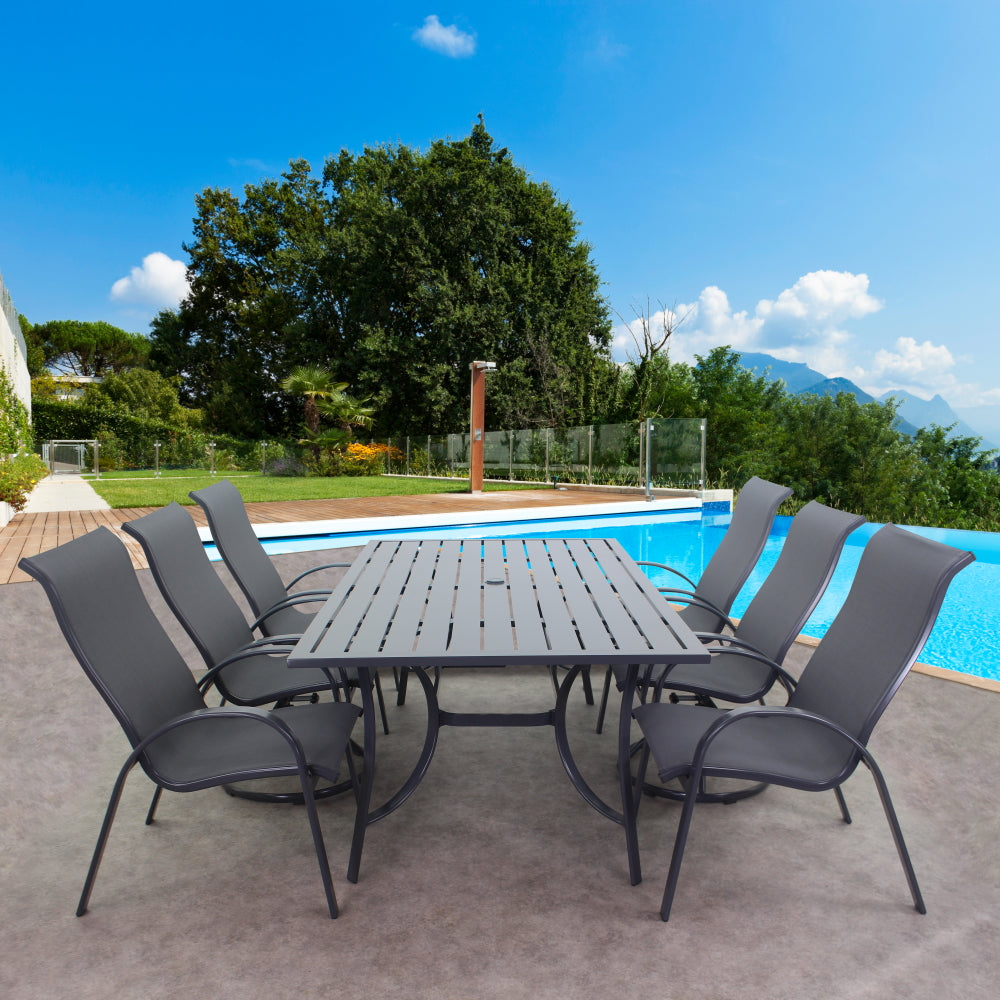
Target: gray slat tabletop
[490,602]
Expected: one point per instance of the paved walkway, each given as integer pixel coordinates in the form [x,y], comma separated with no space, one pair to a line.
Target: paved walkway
[38,530]
[64,492]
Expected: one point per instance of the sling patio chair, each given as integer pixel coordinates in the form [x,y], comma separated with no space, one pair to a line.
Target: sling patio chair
[817,740]
[708,602]
[180,743]
[247,671]
[747,664]
[272,601]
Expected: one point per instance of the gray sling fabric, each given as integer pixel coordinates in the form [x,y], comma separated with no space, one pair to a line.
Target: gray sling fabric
[776,614]
[210,616]
[737,554]
[246,559]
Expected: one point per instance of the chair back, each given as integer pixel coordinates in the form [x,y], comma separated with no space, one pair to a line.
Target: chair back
[792,589]
[109,625]
[738,552]
[189,583]
[877,635]
[240,548]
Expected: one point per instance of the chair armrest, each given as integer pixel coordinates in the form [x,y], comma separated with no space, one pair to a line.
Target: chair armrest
[737,715]
[669,569]
[316,569]
[302,597]
[287,641]
[209,677]
[687,597]
[732,641]
[261,715]
[784,678]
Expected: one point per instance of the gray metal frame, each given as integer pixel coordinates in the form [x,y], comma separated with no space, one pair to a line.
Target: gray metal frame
[559,602]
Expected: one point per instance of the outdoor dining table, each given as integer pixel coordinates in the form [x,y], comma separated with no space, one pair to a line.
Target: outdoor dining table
[560,602]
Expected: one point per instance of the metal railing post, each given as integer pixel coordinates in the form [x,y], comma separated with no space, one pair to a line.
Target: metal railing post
[649,459]
[704,425]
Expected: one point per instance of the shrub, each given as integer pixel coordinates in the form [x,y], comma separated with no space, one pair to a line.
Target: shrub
[18,476]
[368,459]
[127,440]
[15,428]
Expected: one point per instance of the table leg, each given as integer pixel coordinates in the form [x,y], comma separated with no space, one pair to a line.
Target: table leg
[566,754]
[424,760]
[362,819]
[630,794]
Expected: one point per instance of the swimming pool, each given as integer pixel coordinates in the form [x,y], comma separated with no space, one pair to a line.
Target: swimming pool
[962,639]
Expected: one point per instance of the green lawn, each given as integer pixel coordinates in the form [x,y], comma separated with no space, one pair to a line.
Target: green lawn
[144,492]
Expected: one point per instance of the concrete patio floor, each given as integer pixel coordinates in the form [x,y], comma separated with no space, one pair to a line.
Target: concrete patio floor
[495,879]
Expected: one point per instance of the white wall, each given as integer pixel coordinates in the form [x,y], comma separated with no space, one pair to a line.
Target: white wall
[12,353]
[12,349]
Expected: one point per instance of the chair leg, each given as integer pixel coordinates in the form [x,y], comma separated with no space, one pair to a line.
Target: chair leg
[102,839]
[842,802]
[588,689]
[897,834]
[150,816]
[401,680]
[307,783]
[680,841]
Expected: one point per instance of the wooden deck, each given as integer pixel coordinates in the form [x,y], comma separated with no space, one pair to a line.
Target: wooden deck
[28,534]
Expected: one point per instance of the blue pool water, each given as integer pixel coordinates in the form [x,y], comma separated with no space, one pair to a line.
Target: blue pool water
[962,639]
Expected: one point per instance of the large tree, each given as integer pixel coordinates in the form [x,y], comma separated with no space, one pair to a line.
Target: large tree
[395,270]
[73,347]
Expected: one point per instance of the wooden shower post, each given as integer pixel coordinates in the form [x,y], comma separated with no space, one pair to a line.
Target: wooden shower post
[477,421]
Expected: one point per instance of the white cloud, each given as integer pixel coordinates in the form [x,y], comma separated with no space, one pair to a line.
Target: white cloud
[925,369]
[810,322]
[912,360]
[804,323]
[820,298]
[448,39]
[161,282]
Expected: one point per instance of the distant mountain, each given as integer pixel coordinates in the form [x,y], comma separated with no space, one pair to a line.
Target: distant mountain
[794,374]
[833,386]
[924,412]
[913,411]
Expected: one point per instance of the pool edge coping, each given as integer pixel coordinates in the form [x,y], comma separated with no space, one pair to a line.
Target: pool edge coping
[404,522]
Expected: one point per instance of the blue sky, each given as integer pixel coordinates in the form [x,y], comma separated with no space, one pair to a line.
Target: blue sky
[818,180]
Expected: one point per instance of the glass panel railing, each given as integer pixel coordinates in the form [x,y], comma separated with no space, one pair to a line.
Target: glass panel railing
[605,454]
[677,452]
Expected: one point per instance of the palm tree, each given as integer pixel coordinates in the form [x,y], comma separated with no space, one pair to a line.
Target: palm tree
[346,411]
[326,398]
[315,383]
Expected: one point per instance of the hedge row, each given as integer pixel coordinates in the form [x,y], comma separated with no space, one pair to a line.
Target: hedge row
[127,441]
